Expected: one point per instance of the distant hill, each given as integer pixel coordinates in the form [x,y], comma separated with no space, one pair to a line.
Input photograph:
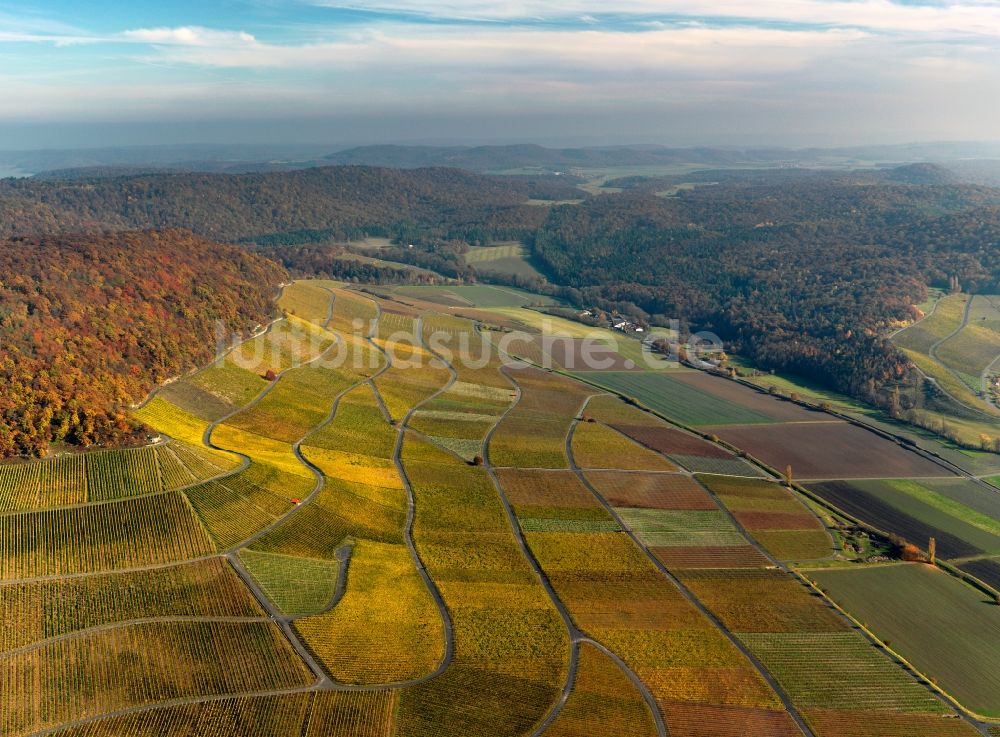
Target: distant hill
[522,156]
[231,207]
[499,158]
[930,174]
[188,157]
[93,323]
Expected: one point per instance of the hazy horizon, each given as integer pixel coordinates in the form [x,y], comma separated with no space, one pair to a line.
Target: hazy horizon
[682,72]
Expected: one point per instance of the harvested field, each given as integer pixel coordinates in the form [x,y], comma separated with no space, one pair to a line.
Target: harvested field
[783,410]
[829,450]
[947,629]
[986,570]
[576,354]
[875,504]
[682,402]
[650,491]
[672,442]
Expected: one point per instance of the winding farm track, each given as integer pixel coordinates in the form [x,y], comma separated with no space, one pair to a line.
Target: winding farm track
[780,692]
[284,622]
[322,680]
[971,719]
[990,370]
[575,635]
[933,355]
[411,510]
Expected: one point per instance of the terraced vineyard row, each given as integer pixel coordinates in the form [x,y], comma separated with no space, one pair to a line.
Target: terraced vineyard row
[105,475]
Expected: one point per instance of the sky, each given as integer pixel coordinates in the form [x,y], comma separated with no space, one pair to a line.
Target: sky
[676,72]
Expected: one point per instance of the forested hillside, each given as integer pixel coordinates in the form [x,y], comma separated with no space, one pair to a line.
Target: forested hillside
[805,278]
[801,270]
[90,324]
[341,200]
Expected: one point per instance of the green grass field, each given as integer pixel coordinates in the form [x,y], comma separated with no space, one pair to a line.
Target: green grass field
[977,346]
[923,503]
[945,318]
[508,258]
[948,630]
[957,360]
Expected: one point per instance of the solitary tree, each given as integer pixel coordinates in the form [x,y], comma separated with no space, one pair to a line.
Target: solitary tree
[932,550]
[789,478]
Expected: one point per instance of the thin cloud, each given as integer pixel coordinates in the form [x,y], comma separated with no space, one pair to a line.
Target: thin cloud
[963,18]
[188,36]
[535,53]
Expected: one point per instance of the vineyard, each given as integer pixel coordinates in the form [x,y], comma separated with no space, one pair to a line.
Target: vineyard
[365,521]
[385,629]
[107,475]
